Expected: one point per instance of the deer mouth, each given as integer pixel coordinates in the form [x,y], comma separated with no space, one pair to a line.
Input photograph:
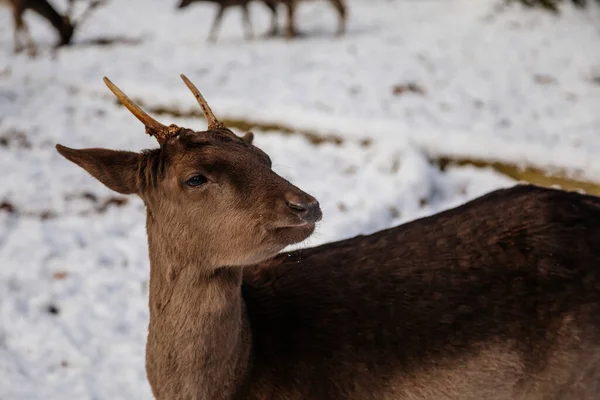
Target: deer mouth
[299,219]
[294,233]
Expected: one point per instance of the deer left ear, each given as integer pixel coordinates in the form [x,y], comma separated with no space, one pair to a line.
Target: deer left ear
[117,170]
[248,137]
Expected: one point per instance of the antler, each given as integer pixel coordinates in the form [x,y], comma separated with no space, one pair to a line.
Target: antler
[213,122]
[161,132]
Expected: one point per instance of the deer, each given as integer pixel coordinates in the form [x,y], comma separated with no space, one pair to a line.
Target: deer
[225,4]
[497,298]
[272,5]
[62,23]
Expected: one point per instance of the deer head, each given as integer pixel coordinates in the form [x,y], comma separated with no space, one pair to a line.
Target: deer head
[208,190]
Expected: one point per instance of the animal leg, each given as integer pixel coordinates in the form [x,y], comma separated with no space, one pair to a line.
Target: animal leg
[20,29]
[247,22]
[291,30]
[17,31]
[274,27]
[212,37]
[341,9]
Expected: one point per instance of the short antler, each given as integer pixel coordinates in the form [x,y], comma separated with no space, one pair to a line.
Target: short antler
[213,122]
[161,132]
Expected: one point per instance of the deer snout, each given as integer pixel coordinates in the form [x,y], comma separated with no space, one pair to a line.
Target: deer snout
[304,206]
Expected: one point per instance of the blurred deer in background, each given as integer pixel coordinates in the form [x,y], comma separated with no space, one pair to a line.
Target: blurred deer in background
[224,4]
[62,23]
[272,5]
[497,299]
[291,5]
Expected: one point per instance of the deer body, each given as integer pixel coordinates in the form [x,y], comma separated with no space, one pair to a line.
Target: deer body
[225,4]
[497,299]
[61,23]
[467,304]
[291,5]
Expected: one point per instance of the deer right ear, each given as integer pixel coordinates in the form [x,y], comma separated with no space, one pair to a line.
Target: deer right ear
[117,170]
[248,137]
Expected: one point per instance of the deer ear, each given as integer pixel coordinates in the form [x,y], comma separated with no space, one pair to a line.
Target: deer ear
[248,137]
[115,169]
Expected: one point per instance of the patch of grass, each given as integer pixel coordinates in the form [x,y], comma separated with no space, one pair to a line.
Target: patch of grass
[99,206]
[527,174]
[14,138]
[409,87]
[549,5]
[245,125]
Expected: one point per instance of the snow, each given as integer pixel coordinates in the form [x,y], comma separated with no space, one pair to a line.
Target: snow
[498,84]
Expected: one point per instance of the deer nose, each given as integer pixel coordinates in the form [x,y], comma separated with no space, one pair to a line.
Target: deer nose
[306,207]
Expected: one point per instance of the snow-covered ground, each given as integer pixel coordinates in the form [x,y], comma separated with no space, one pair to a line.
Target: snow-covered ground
[497,84]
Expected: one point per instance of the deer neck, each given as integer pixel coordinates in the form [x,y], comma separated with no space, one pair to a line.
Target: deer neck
[198,337]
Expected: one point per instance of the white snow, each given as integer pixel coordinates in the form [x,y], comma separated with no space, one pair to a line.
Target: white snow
[508,85]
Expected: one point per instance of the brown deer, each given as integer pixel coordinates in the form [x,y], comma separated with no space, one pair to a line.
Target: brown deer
[225,4]
[62,23]
[496,299]
[339,5]
[272,5]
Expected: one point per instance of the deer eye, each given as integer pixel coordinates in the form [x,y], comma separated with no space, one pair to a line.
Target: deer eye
[196,180]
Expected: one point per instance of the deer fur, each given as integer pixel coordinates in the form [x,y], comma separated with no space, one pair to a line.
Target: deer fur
[496,299]
[272,5]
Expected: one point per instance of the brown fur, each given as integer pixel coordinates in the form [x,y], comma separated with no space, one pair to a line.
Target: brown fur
[496,299]
[339,5]
[498,296]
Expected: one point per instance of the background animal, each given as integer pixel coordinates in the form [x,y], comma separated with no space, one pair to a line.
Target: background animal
[22,36]
[291,5]
[498,298]
[62,23]
[272,5]
[225,4]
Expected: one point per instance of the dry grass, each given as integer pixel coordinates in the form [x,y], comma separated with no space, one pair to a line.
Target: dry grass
[526,174]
